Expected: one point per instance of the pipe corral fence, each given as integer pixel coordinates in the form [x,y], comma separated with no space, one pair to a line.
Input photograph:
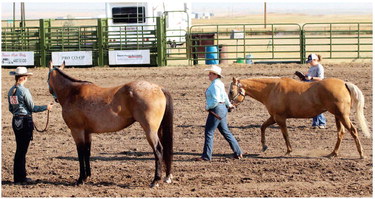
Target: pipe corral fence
[229,43]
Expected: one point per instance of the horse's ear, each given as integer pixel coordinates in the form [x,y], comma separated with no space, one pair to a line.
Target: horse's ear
[62,65]
[50,64]
[235,80]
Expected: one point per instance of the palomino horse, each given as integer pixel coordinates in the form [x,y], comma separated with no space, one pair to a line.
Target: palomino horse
[87,109]
[287,98]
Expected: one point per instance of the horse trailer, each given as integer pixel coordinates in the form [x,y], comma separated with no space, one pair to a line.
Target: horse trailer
[137,21]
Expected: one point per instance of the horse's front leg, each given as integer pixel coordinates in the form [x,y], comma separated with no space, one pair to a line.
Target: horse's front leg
[282,123]
[266,124]
[83,144]
[87,154]
[81,158]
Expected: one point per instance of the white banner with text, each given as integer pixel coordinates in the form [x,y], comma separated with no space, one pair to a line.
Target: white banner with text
[119,57]
[72,58]
[17,58]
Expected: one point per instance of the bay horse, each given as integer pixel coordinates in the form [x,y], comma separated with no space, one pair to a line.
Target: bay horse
[88,109]
[288,98]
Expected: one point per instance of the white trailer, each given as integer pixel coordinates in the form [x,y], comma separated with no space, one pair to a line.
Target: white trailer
[131,16]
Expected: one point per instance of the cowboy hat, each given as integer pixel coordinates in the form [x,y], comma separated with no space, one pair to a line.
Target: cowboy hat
[215,69]
[20,71]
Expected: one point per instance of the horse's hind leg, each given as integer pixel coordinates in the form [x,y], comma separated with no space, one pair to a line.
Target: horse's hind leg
[166,158]
[282,123]
[353,131]
[157,148]
[340,136]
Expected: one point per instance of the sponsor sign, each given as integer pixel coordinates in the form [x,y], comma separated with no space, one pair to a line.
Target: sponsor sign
[236,34]
[121,57]
[72,58]
[17,58]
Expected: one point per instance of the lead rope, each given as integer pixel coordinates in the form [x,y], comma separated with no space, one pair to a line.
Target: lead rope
[45,128]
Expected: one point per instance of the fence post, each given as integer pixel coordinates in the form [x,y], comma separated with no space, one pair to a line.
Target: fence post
[101,36]
[45,24]
[302,47]
[161,41]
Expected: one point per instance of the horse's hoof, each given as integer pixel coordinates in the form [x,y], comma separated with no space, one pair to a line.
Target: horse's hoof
[80,182]
[264,148]
[331,155]
[154,185]
[168,179]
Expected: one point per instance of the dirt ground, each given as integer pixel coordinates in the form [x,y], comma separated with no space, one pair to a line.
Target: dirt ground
[123,164]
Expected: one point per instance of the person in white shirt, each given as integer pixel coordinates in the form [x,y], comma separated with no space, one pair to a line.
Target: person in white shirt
[316,73]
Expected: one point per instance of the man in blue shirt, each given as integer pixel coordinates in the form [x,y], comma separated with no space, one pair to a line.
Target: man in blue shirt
[21,105]
[217,104]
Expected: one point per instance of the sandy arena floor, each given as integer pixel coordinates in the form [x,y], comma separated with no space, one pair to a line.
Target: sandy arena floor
[123,164]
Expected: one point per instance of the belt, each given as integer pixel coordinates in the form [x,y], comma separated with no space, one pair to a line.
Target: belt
[221,102]
[22,115]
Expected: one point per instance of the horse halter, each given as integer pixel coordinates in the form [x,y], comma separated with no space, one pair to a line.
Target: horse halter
[240,92]
[49,87]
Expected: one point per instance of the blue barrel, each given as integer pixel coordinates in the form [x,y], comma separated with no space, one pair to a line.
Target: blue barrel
[212,55]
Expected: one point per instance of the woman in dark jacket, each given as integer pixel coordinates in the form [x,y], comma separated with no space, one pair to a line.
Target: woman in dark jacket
[21,105]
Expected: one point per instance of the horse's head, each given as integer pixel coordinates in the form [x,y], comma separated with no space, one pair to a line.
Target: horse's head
[50,73]
[236,92]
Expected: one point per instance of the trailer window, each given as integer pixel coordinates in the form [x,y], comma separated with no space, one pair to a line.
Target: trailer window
[128,15]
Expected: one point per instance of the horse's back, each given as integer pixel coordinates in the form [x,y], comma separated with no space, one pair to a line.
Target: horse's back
[324,87]
[303,99]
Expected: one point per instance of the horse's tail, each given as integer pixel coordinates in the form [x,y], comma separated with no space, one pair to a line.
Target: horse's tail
[358,103]
[166,132]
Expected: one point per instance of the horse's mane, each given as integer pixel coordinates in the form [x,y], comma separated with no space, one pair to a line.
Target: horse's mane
[71,78]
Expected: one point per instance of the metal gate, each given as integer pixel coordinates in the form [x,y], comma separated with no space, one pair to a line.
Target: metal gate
[176,38]
[47,36]
[244,42]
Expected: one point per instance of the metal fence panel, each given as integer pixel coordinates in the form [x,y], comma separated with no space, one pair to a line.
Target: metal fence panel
[338,40]
[242,42]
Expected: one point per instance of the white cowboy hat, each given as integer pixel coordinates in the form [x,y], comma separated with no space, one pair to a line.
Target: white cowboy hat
[20,71]
[215,69]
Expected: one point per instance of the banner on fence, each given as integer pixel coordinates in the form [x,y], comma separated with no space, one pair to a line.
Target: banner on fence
[119,57]
[17,58]
[72,58]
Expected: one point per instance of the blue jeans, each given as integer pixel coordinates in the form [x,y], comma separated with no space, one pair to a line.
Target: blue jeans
[319,120]
[212,124]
